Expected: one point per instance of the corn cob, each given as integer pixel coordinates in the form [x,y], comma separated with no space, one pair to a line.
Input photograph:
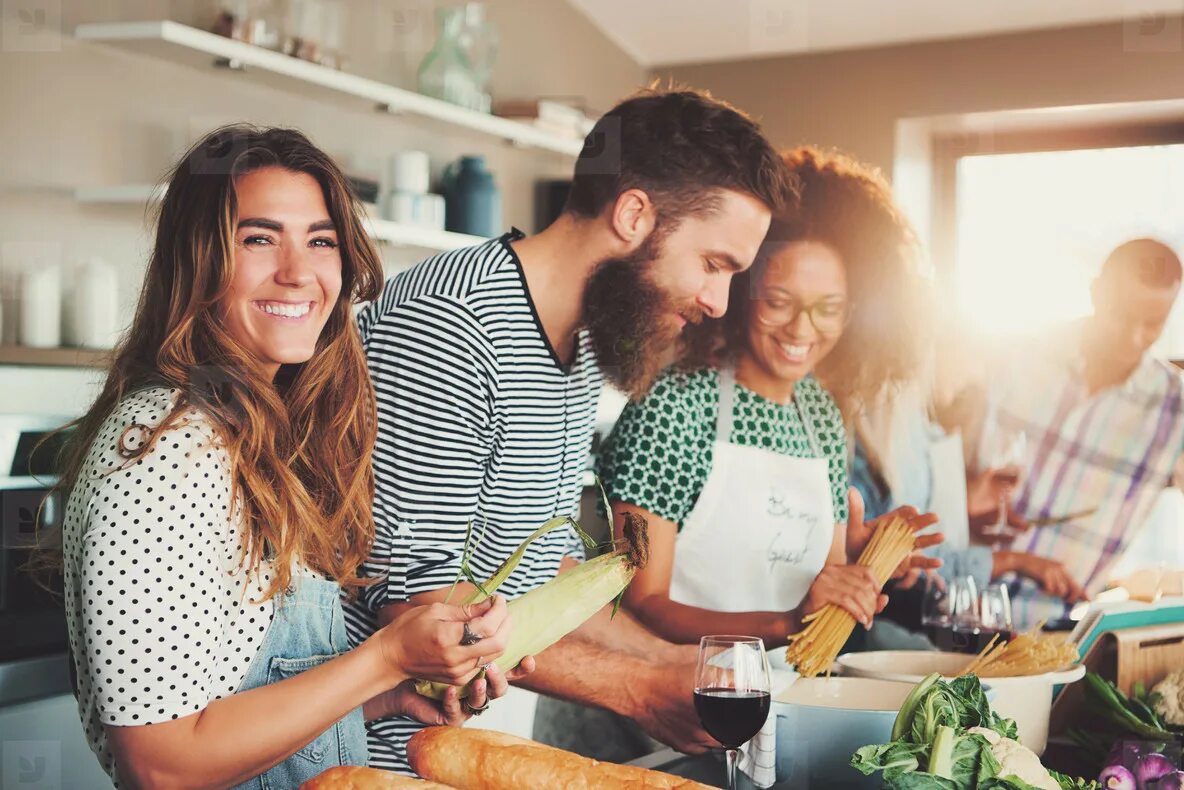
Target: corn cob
[549,612]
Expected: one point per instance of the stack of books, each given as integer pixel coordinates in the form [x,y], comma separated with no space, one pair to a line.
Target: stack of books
[556,117]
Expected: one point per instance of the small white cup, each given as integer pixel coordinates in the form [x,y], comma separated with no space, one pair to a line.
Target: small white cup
[410,172]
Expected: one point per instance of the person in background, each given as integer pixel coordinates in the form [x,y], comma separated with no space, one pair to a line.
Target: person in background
[737,459]
[902,456]
[488,364]
[1103,421]
[219,495]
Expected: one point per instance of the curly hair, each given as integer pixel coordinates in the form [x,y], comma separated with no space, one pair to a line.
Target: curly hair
[848,207]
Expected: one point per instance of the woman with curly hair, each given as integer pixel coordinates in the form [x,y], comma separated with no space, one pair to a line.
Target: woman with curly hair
[219,495]
[738,458]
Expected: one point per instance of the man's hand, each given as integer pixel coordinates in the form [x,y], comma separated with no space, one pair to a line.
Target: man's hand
[1051,575]
[666,709]
[404,700]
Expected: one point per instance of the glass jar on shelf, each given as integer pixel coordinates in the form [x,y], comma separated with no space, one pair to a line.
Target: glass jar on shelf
[458,68]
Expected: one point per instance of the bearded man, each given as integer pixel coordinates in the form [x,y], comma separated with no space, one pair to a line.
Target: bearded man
[488,362]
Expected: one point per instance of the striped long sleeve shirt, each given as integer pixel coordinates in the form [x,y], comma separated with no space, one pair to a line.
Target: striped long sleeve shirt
[478,422]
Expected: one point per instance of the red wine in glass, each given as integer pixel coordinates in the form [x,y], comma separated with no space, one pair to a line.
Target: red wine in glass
[732,692]
[732,717]
[960,639]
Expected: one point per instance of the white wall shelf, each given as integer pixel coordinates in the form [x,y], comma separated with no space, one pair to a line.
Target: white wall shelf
[178,43]
[395,233]
[54,357]
[415,236]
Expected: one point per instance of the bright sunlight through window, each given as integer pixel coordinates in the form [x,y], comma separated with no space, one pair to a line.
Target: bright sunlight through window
[1034,228]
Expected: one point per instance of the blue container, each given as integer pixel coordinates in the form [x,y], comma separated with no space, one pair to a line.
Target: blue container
[472,202]
[822,721]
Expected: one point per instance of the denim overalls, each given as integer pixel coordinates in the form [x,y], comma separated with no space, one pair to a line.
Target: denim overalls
[308,629]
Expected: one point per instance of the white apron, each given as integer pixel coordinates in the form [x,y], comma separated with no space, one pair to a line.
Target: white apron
[947,495]
[762,527]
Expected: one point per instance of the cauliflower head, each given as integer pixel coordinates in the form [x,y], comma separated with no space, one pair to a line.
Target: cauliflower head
[1168,696]
[1017,760]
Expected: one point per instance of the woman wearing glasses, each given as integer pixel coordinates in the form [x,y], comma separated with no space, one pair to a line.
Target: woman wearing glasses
[738,458]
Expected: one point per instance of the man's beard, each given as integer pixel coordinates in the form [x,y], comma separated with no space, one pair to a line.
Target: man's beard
[628,318]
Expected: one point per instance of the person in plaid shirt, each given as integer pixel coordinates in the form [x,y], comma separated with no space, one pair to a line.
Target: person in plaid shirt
[1104,427]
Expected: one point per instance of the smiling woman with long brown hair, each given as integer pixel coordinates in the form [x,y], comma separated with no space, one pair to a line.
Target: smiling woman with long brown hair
[220,494]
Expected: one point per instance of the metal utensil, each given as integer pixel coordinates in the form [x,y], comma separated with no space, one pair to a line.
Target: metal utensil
[1052,521]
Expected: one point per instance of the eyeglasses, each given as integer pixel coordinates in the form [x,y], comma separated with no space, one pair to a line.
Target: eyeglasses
[829,316]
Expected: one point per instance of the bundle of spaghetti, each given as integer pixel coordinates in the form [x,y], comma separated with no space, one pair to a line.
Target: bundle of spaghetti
[814,649]
[1031,653]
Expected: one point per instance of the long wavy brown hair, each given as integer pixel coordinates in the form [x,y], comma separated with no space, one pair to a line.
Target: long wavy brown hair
[848,207]
[299,445]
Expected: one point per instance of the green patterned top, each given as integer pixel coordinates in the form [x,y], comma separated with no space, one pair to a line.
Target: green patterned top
[658,456]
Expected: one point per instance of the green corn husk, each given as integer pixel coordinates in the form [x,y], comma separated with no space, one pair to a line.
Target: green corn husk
[550,612]
[489,587]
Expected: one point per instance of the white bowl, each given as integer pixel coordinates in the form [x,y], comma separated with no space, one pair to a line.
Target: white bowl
[1026,698]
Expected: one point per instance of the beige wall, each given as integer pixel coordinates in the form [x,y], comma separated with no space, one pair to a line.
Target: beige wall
[852,99]
[83,114]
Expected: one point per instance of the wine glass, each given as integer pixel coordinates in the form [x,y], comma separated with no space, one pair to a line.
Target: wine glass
[950,612]
[732,694]
[1006,454]
[995,612]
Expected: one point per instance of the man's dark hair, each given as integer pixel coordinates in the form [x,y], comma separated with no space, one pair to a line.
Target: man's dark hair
[1151,262]
[681,147]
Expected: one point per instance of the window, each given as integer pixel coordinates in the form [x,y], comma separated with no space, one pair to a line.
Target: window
[1032,230]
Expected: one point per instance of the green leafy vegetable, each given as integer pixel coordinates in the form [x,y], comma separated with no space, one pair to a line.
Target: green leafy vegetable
[905,715]
[921,781]
[939,708]
[945,737]
[894,759]
[1006,783]
[941,753]
[1127,715]
[1072,782]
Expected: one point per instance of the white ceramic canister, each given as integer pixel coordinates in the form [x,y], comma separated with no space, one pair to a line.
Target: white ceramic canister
[410,172]
[94,305]
[41,307]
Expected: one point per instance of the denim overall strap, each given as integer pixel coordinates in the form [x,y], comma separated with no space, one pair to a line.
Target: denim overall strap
[308,629]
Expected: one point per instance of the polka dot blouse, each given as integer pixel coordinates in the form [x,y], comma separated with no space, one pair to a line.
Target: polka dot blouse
[162,619]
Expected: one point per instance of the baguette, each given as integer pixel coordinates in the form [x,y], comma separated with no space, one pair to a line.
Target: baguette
[488,760]
[352,777]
